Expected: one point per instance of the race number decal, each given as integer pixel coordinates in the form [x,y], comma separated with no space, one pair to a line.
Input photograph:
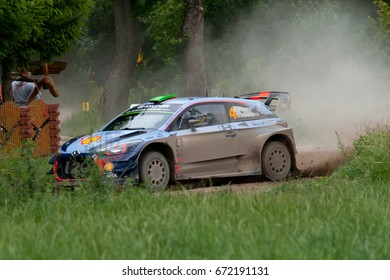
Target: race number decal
[232,113]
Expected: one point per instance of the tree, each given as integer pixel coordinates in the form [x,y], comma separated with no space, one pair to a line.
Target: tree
[163,41]
[127,47]
[95,49]
[194,65]
[40,29]
[167,44]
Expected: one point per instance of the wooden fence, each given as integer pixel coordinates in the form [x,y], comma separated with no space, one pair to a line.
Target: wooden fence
[38,122]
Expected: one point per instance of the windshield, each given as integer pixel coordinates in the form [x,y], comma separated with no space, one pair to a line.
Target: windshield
[144,116]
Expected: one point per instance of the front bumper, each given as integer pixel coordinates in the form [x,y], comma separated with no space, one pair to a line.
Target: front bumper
[71,171]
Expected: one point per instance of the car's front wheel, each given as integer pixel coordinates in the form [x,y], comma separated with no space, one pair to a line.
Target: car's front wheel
[276,161]
[154,171]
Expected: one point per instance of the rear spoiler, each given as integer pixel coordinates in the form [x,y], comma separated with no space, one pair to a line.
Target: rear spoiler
[274,100]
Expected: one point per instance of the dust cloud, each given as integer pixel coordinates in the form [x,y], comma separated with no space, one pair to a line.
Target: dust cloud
[328,62]
[328,58]
[332,91]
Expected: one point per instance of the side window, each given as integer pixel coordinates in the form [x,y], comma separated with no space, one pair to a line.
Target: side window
[243,112]
[203,115]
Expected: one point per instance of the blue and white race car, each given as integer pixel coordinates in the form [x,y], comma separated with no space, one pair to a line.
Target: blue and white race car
[168,139]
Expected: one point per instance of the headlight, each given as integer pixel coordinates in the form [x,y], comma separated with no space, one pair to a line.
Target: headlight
[117,149]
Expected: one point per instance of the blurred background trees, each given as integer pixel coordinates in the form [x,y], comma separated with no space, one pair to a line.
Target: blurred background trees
[37,30]
[132,50]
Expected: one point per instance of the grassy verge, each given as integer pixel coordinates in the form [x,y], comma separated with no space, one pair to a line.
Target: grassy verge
[344,216]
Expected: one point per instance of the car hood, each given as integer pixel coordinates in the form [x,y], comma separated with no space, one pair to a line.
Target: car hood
[88,143]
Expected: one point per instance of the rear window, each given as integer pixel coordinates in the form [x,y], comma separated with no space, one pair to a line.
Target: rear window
[248,111]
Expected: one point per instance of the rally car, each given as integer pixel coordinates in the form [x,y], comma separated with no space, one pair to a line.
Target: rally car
[168,139]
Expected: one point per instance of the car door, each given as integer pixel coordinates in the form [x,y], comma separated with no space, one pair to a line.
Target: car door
[206,143]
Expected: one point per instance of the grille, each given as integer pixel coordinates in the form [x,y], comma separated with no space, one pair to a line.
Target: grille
[74,168]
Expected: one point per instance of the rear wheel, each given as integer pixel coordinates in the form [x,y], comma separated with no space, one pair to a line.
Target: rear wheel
[276,161]
[154,171]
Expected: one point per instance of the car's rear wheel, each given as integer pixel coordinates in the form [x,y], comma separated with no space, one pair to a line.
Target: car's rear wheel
[276,161]
[154,171]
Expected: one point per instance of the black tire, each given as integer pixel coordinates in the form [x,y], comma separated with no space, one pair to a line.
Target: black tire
[276,161]
[154,171]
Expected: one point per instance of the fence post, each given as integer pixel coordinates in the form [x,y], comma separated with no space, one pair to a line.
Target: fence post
[54,125]
[26,127]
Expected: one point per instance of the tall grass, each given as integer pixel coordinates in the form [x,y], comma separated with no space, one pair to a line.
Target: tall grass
[302,221]
[21,176]
[371,160]
[338,217]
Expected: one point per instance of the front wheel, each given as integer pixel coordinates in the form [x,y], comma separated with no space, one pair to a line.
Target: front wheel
[276,161]
[154,171]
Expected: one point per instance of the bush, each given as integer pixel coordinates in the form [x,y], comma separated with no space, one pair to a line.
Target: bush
[24,177]
[371,160]
[21,175]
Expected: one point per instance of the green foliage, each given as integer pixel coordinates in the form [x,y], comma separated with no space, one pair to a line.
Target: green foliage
[22,177]
[39,29]
[384,14]
[63,25]
[383,32]
[163,32]
[21,23]
[221,14]
[371,160]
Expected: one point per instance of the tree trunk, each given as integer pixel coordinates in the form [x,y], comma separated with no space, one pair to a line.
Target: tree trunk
[116,90]
[194,64]
[6,81]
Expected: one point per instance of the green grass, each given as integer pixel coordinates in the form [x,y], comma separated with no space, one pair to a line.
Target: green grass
[300,221]
[339,217]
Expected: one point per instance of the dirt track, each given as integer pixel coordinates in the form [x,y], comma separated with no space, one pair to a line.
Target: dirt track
[319,163]
[311,163]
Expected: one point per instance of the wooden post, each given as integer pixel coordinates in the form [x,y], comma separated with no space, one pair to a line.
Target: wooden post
[54,124]
[26,127]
